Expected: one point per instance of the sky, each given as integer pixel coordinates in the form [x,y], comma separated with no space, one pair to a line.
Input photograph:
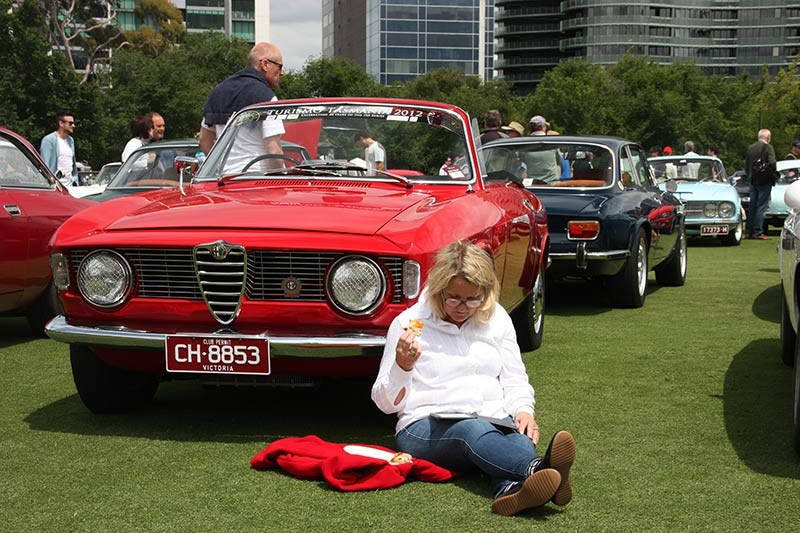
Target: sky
[296,28]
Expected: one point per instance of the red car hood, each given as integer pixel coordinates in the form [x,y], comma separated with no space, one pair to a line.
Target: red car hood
[358,208]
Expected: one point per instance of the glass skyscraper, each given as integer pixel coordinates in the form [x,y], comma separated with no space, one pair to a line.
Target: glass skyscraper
[405,38]
[727,37]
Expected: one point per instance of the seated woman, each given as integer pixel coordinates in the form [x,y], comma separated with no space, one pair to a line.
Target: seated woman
[460,389]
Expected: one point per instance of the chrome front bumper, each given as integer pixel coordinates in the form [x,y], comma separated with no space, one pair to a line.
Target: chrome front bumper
[345,345]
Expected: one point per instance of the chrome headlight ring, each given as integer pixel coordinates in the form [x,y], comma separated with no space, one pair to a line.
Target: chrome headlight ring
[355,284]
[104,278]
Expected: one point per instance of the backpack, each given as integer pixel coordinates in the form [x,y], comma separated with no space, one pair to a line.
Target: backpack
[761,172]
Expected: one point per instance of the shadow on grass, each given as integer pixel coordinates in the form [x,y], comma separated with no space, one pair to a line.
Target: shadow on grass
[766,306]
[582,297]
[14,330]
[758,409]
[187,411]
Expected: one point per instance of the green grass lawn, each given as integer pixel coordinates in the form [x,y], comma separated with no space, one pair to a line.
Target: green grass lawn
[681,411]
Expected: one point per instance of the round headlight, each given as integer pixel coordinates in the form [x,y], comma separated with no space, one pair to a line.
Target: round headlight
[710,210]
[356,285]
[726,209]
[104,278]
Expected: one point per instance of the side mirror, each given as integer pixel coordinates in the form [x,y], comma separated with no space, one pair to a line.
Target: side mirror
[792,196]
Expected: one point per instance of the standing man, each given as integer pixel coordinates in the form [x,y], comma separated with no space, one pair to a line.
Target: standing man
[374,153]
[762,177]
[492,123]
[158,125]
[251,85]
[794,151]
[58,149]
[543,165]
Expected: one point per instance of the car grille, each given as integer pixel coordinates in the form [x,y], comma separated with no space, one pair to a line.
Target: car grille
[694,208]
[170,273]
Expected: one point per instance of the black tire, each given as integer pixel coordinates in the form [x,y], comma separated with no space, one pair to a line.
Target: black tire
[672,272]
[45,308]
[788,334]
[629,286]
[734,238]
[528,318]
[105,389]
[796,404]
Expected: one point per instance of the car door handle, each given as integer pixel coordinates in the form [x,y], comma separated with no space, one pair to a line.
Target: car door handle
[12,210]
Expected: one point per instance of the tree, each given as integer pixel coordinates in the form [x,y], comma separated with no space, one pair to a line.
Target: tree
[163,27]
[337,76]
[82,27]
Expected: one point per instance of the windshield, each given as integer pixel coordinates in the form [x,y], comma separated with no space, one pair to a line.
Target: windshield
[686,169]
[546,164]
[152,167]
[787,176]
[355,140]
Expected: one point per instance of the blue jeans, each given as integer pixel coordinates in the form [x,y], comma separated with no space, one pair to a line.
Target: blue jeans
[469,445]
[759,201]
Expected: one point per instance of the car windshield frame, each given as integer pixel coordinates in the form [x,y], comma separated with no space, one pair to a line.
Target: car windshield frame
[141,165]
[683,171]
[607,174]
[427,156]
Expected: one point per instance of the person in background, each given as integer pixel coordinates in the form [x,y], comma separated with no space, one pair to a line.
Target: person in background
[159,126]
[58,149]
[566,172]
[514,129]
[794,151]
[492,123]
[713,151]
[760,184]
[374,153]
[141,131]
[690,170]
[461,391]
[667,150]
[654,151]
[544,165]
[251,85]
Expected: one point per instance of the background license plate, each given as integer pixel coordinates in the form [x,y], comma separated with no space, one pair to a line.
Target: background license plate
[713,230]
[217,355]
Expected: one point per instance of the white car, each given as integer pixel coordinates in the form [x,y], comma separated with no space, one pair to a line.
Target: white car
[788,172]
[101,180]
[789,253]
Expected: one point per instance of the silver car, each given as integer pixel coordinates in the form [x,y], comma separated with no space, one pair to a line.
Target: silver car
[789,252]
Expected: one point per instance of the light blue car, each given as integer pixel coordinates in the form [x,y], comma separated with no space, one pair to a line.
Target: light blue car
[711,205]
[788,173]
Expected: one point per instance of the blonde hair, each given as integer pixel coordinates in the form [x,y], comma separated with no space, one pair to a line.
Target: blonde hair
[474,264]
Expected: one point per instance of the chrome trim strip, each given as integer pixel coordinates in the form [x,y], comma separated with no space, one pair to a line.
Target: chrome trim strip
[119,336]
[592,256]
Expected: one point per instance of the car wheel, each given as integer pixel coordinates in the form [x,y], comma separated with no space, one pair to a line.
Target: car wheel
[796,404]
[672,272]
[528,318]
[629,286]
[105,389]
[46,307]
[734,238]
[788,335]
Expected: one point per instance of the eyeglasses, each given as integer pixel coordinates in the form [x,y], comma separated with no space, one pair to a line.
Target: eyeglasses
[279,65]
[472,303]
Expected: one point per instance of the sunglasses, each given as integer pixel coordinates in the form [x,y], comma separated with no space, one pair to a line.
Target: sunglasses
[279,65]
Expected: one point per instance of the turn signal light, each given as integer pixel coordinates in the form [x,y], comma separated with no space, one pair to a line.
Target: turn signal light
[583,230]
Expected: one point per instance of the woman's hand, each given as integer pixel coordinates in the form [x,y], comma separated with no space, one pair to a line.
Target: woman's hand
[407,351]
[526,424]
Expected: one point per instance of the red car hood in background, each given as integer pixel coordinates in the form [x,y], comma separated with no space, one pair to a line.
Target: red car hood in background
[358,208]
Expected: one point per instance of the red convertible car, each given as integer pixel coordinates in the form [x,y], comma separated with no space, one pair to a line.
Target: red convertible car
[34,203]
[263,268]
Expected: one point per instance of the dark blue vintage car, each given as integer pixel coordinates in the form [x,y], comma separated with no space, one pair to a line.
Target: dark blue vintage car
[606,215]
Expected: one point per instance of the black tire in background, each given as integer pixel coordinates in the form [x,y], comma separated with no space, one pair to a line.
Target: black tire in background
[629,286]
[528,318]
[672,272]
[105,389]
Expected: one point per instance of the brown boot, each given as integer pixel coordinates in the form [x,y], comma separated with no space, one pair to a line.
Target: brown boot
[560,456]
[535,491]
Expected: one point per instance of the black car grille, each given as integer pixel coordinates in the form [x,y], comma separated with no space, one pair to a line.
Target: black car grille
[170,273]
[694,208]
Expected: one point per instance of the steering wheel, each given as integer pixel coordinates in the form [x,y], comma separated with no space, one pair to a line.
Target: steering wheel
[269,156]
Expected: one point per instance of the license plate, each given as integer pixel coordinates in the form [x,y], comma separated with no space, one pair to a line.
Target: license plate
[217,355]
[713,230]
